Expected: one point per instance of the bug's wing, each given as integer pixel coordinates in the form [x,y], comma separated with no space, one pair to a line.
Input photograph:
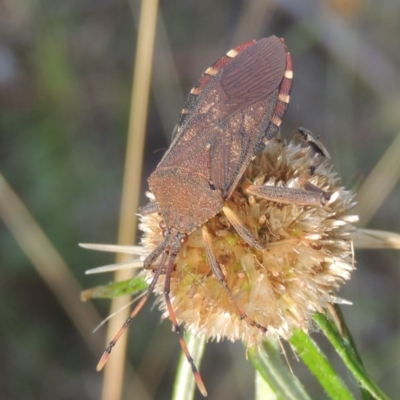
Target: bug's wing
[194,96]
[228,113]
[197,125]
[252,75]
[231,151]
[255,91]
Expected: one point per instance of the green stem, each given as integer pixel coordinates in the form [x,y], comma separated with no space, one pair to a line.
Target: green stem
[319,365]
[280,381]
[345,347]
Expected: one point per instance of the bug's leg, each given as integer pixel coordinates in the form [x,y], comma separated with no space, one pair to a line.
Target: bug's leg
[241,229]
[149,208]
[309,196]
[149,260]
[174,250]
[325,196]
[141,303]
[221,279]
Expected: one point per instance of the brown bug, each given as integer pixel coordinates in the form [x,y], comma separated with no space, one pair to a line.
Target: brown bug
[232,112]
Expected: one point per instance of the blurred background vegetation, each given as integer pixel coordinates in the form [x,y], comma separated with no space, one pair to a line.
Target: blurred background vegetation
[65,85]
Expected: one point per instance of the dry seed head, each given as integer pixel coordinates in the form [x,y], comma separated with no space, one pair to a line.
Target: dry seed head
[307,256]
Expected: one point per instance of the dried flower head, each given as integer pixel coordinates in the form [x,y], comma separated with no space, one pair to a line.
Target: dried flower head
[307,255]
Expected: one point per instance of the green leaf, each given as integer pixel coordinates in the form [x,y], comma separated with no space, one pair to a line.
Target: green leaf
[282,384]
[345,347]
[319,365]
[115,289]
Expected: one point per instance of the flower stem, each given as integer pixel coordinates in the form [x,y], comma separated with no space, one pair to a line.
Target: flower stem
[270,366]
[319,365]
[344,345]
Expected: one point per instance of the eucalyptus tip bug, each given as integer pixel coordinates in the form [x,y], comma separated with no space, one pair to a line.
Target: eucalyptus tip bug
[229,116]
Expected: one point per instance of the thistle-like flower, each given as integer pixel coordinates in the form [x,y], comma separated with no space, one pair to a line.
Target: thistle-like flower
[307,253]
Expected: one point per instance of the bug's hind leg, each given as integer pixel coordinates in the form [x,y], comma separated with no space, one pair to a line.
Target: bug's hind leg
[311,195]
[221,279]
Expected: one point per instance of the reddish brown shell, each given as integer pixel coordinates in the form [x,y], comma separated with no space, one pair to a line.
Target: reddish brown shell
[234,108]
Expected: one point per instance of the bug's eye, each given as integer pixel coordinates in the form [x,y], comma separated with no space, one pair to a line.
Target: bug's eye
[183,240]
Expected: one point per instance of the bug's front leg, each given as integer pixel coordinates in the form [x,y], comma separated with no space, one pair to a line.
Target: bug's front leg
[241,229]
